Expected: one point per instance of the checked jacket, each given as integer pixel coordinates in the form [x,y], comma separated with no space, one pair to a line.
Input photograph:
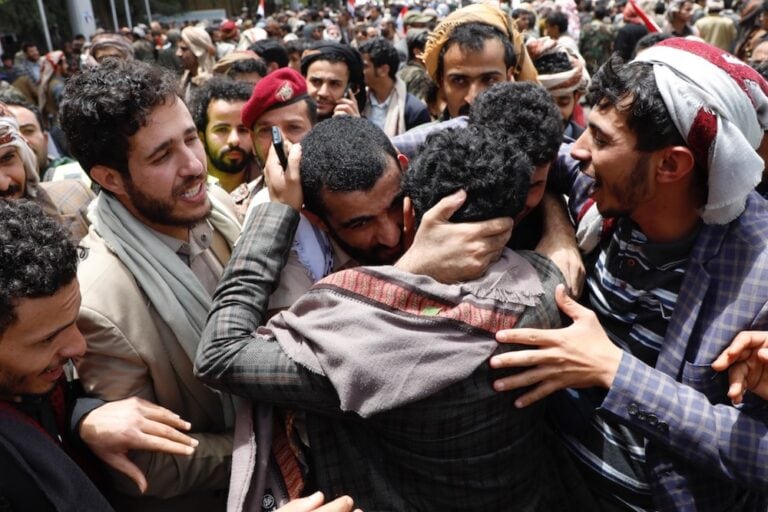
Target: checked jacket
[702,453]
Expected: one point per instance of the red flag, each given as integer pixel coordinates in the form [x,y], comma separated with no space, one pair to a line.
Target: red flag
[260,10]
[400,22]
[351,7]
[647,21]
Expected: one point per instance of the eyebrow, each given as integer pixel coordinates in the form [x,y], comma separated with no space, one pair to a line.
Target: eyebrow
[398,198]
[595,128]
[56,331]
[164,145]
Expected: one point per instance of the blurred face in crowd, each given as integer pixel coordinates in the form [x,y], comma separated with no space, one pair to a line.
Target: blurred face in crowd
[188,59]
[12,176]
[32,53]
[31,131]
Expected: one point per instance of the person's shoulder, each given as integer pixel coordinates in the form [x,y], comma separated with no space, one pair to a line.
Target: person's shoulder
[100,272]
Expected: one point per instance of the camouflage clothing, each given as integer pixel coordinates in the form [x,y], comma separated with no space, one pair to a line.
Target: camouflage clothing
[596,44]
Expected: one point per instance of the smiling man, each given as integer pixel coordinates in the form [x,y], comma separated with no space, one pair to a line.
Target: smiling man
[676,271]
[158,244]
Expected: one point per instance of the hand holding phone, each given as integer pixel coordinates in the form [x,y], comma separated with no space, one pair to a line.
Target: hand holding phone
[277,142]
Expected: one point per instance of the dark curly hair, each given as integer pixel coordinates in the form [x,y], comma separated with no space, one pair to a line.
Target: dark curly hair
[246,66]
[381,52]
[551,63]
[36,256]
[472,37]
[342,154]
[102,107]
[524,111]
[217,88]
[559,20]
[494,173]
[631,88]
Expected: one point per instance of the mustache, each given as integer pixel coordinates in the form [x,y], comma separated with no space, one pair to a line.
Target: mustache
[12,190]
[464,110]
[225,152]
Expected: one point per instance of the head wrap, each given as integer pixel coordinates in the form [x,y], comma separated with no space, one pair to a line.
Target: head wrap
[328,50]
[565,82]
[720,107]
[200,44]
[48,67]
[116,41]
[11,136]
[225,63]
[279,88]
[478,13]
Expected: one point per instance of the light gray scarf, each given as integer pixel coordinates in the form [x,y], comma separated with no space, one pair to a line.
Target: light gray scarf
[174,291]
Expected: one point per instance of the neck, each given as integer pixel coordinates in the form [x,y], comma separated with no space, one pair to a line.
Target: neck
[382,90]
[667,219]
[227,181]
[180,232]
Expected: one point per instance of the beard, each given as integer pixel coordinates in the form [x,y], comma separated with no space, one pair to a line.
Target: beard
[630,193]
[376,255]
[160,211]
[222,162]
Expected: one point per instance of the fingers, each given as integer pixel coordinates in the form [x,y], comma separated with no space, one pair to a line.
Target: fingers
[534,337]
[737,378]
[120,462]
[740,349]
[161,438]
[445,208]
[346,107]
[162,415]
[567,305]
[314,503]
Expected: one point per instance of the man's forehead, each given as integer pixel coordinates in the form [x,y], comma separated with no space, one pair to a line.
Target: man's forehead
[296,110]
[24,115]
[219,107]
[490,58]
[328,69]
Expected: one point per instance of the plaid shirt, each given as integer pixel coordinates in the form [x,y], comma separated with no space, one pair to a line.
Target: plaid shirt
[466,447]
[702,453]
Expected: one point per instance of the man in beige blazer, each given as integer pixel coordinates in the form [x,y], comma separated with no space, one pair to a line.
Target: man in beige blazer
[155,251]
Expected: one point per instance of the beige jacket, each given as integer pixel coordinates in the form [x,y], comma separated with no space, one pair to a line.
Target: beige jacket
[132,352]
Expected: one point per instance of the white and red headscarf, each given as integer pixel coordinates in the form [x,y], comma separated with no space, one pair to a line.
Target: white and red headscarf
[720,107]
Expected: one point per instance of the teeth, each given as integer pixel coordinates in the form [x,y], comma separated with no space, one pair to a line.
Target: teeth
[192,191]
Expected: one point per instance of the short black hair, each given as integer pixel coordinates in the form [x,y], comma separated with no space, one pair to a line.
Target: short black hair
[247,66]
[647,115]
[649,40]
[416,39]
[552,63]
[27,44]
[525,112]
[342,154]
[381,52]
[494,173]
[472,37]
[271,51]
[37,258]
[559,20]
[103,106]
[217,88]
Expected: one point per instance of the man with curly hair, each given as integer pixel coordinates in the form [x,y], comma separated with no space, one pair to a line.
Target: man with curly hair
[39,303]
[157,246]
[365,351]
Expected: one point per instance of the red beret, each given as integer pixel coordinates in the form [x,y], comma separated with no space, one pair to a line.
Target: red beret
[279,88]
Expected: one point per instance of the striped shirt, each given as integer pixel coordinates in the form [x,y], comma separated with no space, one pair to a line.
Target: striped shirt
[633,290]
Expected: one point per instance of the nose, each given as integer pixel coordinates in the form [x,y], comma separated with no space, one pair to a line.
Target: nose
[5,182]
[193,166]
[390,231]
[580,150]
[475,88]
[233,140]
[323,90]
[73,343]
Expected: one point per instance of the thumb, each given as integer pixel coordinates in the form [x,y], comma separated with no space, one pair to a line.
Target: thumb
[566,304]
[123,464]
[446,207]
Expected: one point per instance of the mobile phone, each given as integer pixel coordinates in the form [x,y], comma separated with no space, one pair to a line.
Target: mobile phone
[277,142]
[348,91]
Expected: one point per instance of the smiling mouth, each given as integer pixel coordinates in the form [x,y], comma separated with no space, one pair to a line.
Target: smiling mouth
[193,191]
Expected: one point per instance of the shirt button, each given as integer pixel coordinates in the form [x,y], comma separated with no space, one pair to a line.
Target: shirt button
[641,416]
[652,420]
[633,409]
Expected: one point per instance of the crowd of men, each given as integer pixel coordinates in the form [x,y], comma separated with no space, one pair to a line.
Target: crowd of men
[352,260]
